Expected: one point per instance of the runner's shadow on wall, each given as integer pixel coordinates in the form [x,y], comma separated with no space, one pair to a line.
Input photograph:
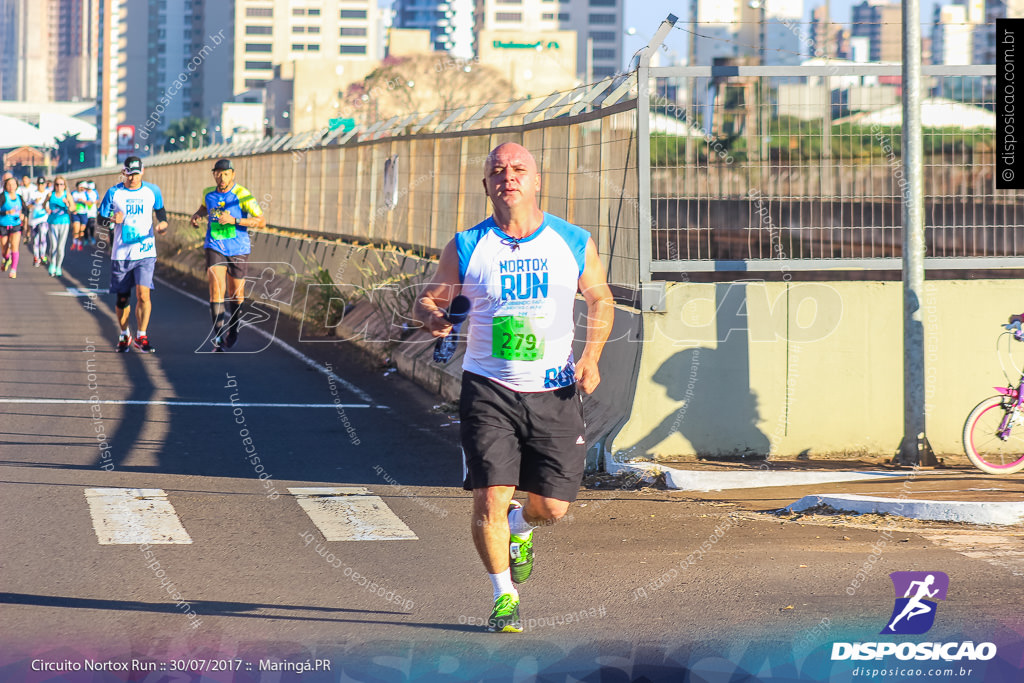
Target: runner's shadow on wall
[718,412]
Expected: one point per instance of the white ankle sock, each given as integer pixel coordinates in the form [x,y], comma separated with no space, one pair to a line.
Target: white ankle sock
[518,525]
[503,584]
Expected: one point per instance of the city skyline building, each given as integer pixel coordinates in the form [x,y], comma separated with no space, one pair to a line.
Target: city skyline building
[732,28]
[199,54]
[984,38]
[48,50]
[953,35]
[881,22]
[830,38]
[450,23]
[151,82]
[599,26]
[270,32]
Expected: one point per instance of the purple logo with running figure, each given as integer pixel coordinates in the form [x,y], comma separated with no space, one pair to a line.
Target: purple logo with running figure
[916,593]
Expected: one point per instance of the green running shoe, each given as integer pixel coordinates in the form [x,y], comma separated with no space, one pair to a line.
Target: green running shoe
[505,617]
[520,553]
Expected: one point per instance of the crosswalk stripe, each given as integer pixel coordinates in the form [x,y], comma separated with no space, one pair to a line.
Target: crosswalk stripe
[351,513]
[131,516]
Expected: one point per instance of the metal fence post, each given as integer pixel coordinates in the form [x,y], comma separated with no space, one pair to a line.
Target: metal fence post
[652,298]
[914,449]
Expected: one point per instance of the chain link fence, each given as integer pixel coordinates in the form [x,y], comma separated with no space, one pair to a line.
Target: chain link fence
[752,168]
[800,167]
[415,182]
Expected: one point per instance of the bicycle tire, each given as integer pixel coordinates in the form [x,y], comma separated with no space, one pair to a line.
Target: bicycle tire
[984,448]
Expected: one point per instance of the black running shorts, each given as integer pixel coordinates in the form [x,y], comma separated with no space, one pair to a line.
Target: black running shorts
[530,440]
[237,265]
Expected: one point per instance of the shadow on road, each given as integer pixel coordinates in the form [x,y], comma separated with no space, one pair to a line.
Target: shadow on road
[328,432]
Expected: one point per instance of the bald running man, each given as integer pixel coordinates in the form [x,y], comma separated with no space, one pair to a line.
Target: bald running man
[521,408]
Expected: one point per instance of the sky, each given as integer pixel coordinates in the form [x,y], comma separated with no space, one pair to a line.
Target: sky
[646,15]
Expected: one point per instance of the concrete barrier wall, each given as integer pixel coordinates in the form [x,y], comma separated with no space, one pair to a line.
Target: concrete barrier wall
[814,368]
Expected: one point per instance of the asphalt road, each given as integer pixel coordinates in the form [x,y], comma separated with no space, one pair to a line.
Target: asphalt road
[636,585]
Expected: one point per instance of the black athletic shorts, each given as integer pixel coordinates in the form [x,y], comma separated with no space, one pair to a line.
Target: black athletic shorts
[237,265]
[530,440]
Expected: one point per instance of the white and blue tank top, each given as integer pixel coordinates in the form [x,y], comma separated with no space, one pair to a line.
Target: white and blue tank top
[523,293]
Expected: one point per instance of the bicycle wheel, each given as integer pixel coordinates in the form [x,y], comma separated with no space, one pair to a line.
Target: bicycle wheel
[987,451]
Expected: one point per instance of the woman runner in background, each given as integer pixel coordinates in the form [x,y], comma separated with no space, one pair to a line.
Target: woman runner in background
[11,209]
[37,221]
[58,206]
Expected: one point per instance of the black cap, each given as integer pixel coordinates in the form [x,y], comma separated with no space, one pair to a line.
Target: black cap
[40,180]
[132,165]
[223,165]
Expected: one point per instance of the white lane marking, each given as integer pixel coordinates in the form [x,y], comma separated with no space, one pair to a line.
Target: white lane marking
[351,513]
[203,404]
[79,291]
[129,516]
[286,347]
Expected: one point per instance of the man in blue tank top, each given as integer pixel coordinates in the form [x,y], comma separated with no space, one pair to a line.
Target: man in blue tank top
[520,408]
[232,211]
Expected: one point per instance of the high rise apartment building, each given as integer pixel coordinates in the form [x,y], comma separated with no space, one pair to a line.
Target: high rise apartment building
[881,22]
[954,31]
[984,39]
[597,23]
[736,28]
[163,60]
[110,99]
[48,50]
[450,23]
[154,58]
[829,38]
[269,32]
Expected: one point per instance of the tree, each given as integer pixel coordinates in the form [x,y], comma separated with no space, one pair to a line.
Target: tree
[186,133]
[67,152]
[424,83]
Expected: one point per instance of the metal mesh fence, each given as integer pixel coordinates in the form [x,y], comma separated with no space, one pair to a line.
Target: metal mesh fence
[751,168]
[387,186]
[765,165]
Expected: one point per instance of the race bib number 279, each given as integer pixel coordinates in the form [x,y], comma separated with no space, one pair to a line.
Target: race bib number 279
[513,338]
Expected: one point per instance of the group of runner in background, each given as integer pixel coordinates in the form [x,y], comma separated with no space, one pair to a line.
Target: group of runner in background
[42,213]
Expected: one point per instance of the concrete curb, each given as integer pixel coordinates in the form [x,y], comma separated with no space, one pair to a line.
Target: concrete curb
[935,510]
[692,480]
[985,512]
